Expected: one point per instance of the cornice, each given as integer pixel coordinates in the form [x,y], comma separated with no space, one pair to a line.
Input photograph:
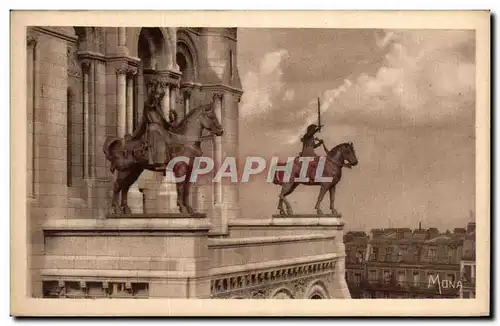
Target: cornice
[132,61]
[91,55]
[205,33]
[55,33]
[253,241]
[221,87]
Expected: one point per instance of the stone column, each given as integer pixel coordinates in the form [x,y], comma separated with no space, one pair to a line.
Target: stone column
[35,242]
[218,200]
[186,92]
[121,101]
[173,90]
[230,190]
[135,200]
[130,108]
[30,98]
[217,214]
[166,191]
[86,64]
[122,40]
[166,100]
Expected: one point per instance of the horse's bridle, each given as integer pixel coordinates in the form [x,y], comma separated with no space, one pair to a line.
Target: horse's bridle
[342,164]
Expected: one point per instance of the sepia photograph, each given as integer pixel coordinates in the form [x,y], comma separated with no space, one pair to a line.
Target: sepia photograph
[216,161]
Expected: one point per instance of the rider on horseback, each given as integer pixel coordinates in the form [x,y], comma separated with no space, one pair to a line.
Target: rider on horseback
[310,142]
[155,125]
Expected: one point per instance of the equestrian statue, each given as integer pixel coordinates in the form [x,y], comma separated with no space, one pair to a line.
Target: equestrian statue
[342,155]
[155,142]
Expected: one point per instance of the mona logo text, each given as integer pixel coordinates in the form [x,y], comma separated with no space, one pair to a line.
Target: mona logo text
[443,284]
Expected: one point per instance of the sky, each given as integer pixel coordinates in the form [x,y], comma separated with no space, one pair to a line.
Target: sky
[405,98]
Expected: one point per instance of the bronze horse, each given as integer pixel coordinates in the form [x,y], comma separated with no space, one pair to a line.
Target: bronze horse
[130,156]
[336,158]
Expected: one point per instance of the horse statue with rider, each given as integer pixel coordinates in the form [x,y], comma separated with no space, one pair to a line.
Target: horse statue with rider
[342,155]
[155,142]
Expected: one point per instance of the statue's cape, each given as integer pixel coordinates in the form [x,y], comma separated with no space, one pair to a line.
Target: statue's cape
[142,127]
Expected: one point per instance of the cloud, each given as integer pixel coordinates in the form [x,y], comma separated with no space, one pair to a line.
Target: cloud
[427,78]
[328,97]
[289,95]
[263,85]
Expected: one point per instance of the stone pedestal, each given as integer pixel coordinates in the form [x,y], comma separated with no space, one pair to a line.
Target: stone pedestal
[135,199]
[132,256]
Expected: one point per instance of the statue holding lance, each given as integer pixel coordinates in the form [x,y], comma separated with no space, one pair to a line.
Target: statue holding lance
[309,141]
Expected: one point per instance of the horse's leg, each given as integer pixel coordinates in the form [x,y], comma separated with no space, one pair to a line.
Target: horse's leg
[179,171]
[332,201]
[129,180]
[287,189]
[114,209]
[187,186]
[124,205]
[322,193]
[180,198]
[280,206]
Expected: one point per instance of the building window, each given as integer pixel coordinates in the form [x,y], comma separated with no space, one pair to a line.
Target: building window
[401,278]
[467,273]
[451,254]
[359,257]
[388,254]
[374,254]
[387,277]
[431,254]
[416,278]
[357,278]
[372,275]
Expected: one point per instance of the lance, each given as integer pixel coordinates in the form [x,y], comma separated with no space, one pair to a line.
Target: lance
[319,116]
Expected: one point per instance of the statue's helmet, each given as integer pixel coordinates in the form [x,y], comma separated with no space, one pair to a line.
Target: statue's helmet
[311,128]
[156,89]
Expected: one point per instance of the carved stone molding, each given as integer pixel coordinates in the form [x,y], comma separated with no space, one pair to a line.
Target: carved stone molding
[260,284]
[131,71]
[74,68]
[31,40]
[86,64]
[218,96]
[166,82]
[122,70]
[186,90]
[94,289]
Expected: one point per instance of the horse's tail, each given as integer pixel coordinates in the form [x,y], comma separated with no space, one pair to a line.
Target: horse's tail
[109,147]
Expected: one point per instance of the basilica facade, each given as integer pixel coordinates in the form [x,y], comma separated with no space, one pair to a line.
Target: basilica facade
[85,84]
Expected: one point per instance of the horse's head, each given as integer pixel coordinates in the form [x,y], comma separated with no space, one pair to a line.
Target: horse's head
[209,120]
[349,155]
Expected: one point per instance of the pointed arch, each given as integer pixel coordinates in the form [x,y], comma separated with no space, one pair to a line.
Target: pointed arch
[317,290]
[187,56]
[282,293]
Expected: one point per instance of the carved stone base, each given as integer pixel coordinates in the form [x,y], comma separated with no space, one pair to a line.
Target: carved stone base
[306,216]
[157,215]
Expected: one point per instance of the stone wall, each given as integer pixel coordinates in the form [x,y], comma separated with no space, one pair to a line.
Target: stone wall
[164,257]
